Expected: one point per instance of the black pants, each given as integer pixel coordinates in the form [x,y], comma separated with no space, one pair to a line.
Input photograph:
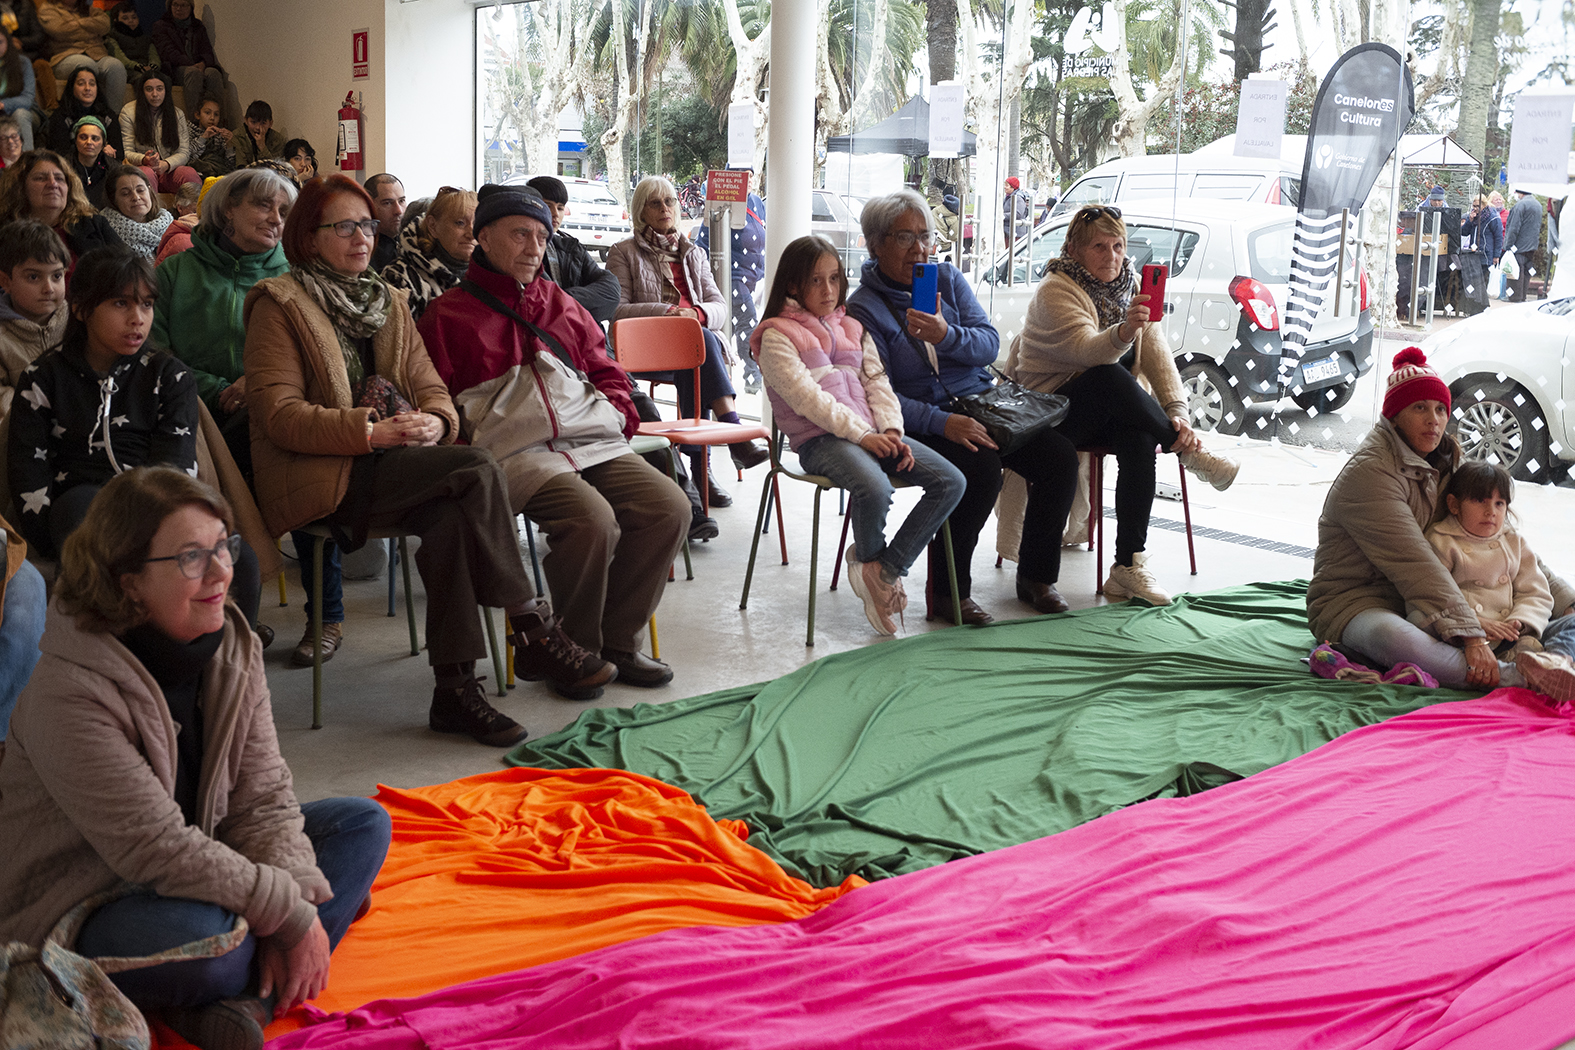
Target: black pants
[1109,408]
[1049,463]
[1520,288]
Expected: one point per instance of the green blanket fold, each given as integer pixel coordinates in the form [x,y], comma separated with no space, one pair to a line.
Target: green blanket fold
[902,755]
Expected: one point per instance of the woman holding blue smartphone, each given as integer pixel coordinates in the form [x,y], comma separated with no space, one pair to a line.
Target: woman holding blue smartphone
[937,344]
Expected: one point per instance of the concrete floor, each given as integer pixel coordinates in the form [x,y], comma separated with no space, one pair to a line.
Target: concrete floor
[376,694]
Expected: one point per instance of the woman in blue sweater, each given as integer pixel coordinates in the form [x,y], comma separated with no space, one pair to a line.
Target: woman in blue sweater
[934,353]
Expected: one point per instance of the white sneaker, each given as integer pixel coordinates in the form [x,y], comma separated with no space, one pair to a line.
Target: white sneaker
[1551,674]
[1135,581]
[879,597]
[1219,471]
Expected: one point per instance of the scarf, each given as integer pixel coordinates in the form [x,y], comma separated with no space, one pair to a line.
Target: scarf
[357,306]
[668,246]
[1111,298]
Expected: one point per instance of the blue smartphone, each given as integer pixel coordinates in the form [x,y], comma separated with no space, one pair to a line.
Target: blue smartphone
[926,288]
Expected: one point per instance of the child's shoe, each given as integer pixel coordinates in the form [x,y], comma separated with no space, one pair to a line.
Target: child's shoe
[879,597]
[1527,643]
[1326,663]
[1551,674]
[1408,674]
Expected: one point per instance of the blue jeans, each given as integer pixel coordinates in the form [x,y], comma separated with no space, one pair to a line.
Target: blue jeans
[865,478]
[20,629]
[1558,638]
[350,836]
[333,582]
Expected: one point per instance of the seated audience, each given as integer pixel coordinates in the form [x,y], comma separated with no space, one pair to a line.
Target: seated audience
[41,185]
[74,33]
[1374,562]
[178,237]
[212,144]
[660,272]
[830,395]
[10,142]
[88,162]
[568,264]
[34,43]
[933,352]
[434,251]
[156,135]
[129,42]
[558,412]
[303,158]
[184,49]
[22,605]
[388,193]
[33,313]
[1086,336]
[351,427]
[134,210]
[82,99]
[257,140]
[150,679]
[17,89]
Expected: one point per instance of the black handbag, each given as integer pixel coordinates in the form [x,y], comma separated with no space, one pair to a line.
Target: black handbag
[1010,413]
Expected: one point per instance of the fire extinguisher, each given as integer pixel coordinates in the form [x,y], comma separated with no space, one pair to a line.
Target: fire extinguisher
[349,152]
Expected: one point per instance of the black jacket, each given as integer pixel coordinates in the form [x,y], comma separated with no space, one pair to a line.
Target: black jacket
[58,417]
[570,267]
[93,179]
[86,234]
[59,132]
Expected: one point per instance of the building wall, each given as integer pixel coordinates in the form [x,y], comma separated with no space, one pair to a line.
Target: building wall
[417,105]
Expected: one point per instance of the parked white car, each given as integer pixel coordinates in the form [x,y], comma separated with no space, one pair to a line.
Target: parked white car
[1200,175]
[1227,287]
[1511,373]
[597,219]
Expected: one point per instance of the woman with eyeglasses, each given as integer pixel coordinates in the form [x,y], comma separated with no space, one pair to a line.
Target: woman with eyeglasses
[934,353]
[1089,337]
[42,186]
[353,429]
[434,251]
[143,788]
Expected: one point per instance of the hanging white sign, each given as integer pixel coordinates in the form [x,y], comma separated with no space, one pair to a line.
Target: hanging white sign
[1539,144]
[741,135]
[1260,118]
[946,119]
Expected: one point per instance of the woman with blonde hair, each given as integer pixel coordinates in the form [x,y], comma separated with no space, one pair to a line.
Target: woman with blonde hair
[434,251]
[42,186]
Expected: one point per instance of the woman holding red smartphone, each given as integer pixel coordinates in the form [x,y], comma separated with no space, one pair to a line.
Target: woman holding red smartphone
[1088,336]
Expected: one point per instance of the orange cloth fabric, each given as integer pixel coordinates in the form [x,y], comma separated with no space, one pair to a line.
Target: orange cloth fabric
[505,870]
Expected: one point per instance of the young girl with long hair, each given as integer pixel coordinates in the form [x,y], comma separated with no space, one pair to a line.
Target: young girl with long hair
[156,136]
[830,396]
[82,98]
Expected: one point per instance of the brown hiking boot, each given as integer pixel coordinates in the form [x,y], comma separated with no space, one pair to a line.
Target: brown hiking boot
[465,710]
[333,638]
[543,651]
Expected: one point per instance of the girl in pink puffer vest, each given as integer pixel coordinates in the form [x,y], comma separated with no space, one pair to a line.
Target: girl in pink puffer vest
[830,396]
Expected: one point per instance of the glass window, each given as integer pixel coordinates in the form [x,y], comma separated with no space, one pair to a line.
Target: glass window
[1147,187]
[1290,191]
[1154,244]
[821,211]
[1269,252]
[1087,191]
[1228,187]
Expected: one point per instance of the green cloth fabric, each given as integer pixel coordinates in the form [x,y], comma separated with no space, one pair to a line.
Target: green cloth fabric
[198,313]
[902,755]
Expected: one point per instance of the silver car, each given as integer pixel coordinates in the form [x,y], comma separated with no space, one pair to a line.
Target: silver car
[1230,270]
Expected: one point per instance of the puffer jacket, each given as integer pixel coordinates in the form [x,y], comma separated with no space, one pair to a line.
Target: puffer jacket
[570,266]
[823,376]
[69,33]
[91,708]
[202,292]
[1372,553]
[971,343]
[422,274]
[1497,574]
[306,429]
[646,283]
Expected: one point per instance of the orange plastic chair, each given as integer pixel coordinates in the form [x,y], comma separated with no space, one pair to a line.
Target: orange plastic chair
[677,344]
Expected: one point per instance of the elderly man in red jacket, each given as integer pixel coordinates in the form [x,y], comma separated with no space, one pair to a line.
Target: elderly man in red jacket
[529,372]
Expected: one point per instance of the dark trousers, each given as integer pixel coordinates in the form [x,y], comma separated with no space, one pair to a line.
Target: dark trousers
[350,837]
[1109,408]
[1521,287]
[1049,463]
[455,499]
[714,380]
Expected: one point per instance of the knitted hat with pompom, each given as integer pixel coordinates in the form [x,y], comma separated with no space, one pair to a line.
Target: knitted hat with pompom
[1412,380]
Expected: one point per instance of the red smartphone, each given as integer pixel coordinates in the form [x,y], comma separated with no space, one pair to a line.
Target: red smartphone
[1152,284]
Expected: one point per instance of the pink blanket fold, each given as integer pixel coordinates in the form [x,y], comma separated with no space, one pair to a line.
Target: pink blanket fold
[1411,884]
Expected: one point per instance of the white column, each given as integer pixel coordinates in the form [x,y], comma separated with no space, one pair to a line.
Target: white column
[790,140]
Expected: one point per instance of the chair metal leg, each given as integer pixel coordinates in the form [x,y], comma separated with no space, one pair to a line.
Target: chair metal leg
[535,560]
[410,598]
[951,572]
[814,559]
[1096,518]
[284,594]
[781,528]
[508,662]
[1186,512]
[672,472]
[497,656]
[761,517]
[656,646]
[847,520]
[317,631]
[392,558]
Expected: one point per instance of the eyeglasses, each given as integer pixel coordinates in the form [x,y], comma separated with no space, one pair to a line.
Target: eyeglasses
[194,564]
[906,239]
[348,227]
[1098,211]
[13,137]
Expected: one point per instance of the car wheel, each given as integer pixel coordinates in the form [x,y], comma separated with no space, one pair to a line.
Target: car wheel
[1329,399]
[1500,422]
[1212,402]
[602,254]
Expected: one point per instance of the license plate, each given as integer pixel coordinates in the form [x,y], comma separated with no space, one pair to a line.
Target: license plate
[1318,371]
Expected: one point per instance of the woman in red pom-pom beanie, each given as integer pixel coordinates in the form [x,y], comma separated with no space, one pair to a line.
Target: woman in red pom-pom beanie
[1373,559]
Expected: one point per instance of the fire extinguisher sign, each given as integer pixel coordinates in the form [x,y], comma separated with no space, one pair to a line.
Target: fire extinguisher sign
[360,54]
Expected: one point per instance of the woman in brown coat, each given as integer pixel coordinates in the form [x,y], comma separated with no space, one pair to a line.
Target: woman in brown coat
[353,429]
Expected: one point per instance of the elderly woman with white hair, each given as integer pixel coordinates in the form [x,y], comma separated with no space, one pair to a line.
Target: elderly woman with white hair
[935,352]
[661,272]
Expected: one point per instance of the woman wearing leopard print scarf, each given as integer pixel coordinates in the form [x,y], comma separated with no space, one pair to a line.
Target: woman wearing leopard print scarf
[434,250]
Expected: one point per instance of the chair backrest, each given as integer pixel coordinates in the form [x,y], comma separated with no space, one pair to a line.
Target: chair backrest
[660,344]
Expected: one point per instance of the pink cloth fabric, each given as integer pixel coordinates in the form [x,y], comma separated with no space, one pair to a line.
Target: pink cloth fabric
[1407,885]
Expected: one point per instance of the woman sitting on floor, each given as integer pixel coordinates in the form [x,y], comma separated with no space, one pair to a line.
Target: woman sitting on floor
[89,162]
[134,210]
[1373,559]
[434,250]
[155,134]
[41,185]
[142,781]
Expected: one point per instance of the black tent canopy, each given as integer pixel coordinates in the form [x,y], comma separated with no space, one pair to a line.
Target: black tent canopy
[906,131]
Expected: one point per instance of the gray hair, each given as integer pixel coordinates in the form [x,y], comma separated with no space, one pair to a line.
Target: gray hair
[881,214]
[649,187]
[257,185]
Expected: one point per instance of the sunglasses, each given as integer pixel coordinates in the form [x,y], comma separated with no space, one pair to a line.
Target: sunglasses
[1096,211]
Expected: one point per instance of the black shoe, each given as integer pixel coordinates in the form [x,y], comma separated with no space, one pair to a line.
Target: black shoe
[228,1024]
[702,527]
[542,650]
[638,669]
[748,454]
[717,495]
[1042,596]
[465,710]
[264,634]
